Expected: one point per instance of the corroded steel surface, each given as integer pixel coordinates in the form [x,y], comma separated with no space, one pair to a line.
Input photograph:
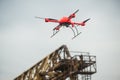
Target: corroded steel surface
[60,65]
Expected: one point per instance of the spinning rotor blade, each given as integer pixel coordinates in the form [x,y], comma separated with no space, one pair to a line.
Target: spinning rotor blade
[48,19]
[76,11]
[86,20]
[45,18]
[51,19]
[39,17]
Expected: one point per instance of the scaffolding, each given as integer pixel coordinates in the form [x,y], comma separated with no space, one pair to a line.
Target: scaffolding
[60,65]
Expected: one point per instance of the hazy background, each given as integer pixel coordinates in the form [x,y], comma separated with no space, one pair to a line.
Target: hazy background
[25,40]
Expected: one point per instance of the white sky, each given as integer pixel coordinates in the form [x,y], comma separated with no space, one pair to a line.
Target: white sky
[25,40]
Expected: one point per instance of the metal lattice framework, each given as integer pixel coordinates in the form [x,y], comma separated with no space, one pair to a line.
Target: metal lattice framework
[59,65]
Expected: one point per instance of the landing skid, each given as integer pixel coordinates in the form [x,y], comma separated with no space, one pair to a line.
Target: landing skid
[76,35]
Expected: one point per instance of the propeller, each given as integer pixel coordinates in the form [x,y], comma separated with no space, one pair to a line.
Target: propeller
[45,18]
[39,17]
[48,19]
[73,14]
[86,20]
[76,11]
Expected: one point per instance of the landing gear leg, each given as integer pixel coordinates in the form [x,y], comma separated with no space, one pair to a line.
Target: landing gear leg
[72,30]
[75,35]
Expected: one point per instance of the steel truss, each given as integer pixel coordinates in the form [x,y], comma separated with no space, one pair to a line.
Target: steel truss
[60,65]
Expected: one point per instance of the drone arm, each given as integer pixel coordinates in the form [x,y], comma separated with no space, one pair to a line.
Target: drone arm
[51,20]
[73,14]
[48,19]
[57,27]
[82,23]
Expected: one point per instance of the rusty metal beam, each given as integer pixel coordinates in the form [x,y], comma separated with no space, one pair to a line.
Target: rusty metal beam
[60,65]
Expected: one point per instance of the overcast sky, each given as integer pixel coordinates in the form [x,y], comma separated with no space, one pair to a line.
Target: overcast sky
[25,40]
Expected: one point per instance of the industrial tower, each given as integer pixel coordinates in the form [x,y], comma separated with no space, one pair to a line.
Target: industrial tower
[60,65]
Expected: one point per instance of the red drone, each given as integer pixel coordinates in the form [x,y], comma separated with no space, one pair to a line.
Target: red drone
[66,21]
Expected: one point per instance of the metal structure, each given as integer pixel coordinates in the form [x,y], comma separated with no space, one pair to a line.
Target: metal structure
[60,65]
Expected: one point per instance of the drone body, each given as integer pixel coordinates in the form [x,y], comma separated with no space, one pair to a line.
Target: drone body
[67,22]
